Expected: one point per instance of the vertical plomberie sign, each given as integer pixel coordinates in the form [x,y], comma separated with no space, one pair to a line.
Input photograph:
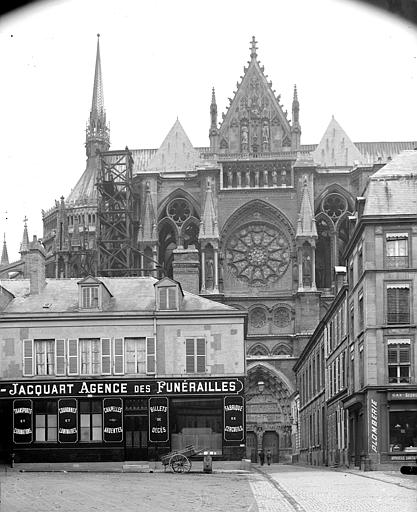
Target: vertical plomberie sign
[158,419]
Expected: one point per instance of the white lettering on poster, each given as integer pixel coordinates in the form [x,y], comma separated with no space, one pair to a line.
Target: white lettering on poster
[374,425]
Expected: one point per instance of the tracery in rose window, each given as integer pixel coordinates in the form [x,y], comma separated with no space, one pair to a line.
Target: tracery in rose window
[258,254]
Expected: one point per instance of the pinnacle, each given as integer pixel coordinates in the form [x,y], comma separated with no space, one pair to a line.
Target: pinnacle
[253,48]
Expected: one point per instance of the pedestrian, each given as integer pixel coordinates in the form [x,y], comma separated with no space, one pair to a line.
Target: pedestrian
[261,457]
[268,457]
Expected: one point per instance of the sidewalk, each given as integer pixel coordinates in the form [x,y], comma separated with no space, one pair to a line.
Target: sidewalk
[120,467]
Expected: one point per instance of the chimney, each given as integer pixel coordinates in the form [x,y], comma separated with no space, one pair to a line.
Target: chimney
[36,266]
[186,266]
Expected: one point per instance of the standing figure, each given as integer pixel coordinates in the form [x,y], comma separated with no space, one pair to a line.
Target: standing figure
[268,457]
[261,457]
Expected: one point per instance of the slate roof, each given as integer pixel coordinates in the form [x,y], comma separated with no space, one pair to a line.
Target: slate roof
[129,294]
[392,190]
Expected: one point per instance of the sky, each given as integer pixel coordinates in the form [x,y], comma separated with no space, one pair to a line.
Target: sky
[160,59]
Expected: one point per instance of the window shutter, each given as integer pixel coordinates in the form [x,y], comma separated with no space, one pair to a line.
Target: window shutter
[201,355]
[150,355]
[404,354]
[403,306]
[105,356]
[60,357]
[119,360]
[73,357]
[189,355]
[163,298]
[172,298]
[27,357]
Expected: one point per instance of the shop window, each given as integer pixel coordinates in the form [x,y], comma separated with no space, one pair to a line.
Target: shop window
[91,422]
[197,422]
[398,304]
[399,361]
[195,355]
[46,421]
[396,250]
[89,297]
[44,357]
[90,355]
[403,431]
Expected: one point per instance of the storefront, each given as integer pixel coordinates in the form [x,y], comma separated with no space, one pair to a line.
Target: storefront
[129,419]
[402,427]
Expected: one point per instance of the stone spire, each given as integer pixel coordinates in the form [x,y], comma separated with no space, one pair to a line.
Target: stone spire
[306,224]
[97,129]
[147,227]
[4,256]
[24,246]
[253,48]
[295,128]
[214,132]
[209,230]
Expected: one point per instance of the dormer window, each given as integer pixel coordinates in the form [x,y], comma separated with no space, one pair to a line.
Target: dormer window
[168,295]
[93,294]
[89,298]
[168,298]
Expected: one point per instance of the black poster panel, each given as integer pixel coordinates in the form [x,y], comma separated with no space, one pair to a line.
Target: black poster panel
[67,420]
[234,418]
[158,419]
[22,421]
[112,420]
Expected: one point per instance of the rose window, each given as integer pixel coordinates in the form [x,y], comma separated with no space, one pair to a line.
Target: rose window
[179,211]
[281,317]
[258,318]
[334,205]
[258,254]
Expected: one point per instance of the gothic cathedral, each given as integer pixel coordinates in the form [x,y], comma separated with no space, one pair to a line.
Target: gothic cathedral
[256,220]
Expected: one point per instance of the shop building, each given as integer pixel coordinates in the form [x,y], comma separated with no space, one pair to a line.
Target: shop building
[117,369]
[382,298]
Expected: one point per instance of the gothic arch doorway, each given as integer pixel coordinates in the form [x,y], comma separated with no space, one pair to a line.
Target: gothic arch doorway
[268,409]
[252,446]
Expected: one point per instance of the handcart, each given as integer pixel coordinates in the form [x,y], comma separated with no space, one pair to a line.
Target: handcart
[179,460]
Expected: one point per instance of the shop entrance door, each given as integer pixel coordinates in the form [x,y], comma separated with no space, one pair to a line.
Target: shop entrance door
[136,437]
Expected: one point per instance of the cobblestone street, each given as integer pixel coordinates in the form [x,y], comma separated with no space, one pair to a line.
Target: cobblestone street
[276,488]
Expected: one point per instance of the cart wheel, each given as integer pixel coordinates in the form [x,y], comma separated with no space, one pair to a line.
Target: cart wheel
[180,463]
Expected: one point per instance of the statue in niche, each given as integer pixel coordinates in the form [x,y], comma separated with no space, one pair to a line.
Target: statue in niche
[306,266]
[244,137]
[265,132]
[209,274]
[274,178]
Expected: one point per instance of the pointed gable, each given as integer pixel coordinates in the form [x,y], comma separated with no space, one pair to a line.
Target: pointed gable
[336,149]
[255,120]
[176,152]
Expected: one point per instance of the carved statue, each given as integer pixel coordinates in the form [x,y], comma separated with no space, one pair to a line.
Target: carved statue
[265,133]
[244,136]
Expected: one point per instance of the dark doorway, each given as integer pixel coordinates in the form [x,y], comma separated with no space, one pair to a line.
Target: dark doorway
[136,437]
[270,442]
